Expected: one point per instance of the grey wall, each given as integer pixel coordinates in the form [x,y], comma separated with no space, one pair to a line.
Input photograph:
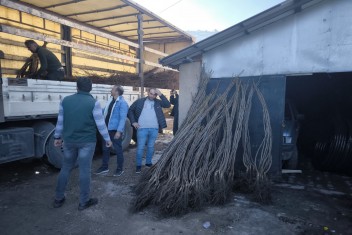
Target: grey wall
[317,39]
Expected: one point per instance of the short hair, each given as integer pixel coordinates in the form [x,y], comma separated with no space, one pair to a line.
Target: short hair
[120,90]
[30,42]
[84,84]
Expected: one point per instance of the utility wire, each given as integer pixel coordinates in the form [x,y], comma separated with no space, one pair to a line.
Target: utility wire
[170,6]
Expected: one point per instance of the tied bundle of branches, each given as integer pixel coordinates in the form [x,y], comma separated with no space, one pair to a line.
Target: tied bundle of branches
[198,166]
[255,177]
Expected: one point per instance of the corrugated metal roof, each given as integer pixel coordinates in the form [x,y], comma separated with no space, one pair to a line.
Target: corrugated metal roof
[243,28]
[118,17]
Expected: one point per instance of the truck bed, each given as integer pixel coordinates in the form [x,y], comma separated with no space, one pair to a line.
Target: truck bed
[32,99]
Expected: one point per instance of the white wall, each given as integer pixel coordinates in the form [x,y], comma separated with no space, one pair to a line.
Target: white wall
[319,39]
[189,79]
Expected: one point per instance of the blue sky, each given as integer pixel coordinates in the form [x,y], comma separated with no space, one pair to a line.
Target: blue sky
[210,15]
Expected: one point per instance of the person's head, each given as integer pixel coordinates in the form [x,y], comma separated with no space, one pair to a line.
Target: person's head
[152,94]
[31,45]
[116,91]
[84,84]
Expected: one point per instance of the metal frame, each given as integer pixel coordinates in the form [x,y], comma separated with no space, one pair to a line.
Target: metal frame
[2,114]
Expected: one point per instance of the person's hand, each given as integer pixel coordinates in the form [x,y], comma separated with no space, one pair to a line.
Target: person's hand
[58,142]
[158,92]
[108,144]
[117,135]
[135,125]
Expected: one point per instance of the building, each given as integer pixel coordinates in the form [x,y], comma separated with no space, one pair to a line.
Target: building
[299,49]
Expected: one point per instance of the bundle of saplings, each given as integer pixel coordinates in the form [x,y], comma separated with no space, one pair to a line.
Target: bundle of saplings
[197,168]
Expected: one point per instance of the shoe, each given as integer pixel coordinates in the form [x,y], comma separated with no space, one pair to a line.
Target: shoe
[58,203]
[102,170]
[149,165]
[118,172]
[138,169]
[89,203]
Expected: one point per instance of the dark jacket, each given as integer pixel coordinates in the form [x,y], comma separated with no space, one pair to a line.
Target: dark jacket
[136,108]
[48,61]
[174,102]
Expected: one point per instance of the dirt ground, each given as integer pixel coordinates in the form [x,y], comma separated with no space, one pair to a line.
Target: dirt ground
[308,203]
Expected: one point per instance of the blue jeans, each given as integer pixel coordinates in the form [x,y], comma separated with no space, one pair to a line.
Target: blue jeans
[117,143]
[82,153]
[143,135]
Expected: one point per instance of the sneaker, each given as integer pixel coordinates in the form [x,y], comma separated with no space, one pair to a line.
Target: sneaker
[58,203]
[89,203]
[102,170]
[138,169]
[149,165]
[118,172]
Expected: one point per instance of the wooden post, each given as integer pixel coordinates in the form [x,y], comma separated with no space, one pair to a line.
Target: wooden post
[141,52]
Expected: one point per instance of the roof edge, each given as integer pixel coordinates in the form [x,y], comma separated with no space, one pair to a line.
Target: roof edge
[258,21]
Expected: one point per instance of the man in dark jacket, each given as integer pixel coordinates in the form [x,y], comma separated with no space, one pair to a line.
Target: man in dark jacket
[174,112]
[50,66]
[79,117]
[146,115]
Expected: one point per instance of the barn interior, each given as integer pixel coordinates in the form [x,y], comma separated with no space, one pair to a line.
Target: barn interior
[324,108]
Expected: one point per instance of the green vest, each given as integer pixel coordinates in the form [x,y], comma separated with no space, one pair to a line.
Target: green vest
[79,124]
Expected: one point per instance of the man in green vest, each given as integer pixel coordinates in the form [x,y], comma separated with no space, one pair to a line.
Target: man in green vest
[79,117]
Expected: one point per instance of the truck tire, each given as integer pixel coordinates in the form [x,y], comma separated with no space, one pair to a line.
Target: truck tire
[127,135]
[54,154]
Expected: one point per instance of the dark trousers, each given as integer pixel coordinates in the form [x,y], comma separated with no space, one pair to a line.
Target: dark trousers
[55,75]
[175,127]
[117,143]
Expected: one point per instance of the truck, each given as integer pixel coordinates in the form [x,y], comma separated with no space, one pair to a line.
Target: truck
[28,114]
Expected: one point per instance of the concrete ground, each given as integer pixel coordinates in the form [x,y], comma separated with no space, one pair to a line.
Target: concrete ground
[310,203]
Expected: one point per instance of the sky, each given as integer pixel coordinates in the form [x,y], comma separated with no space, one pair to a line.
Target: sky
[207,15]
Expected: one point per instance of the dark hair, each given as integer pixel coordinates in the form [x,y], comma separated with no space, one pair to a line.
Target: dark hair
[120,90]
[84,84]
[30,42]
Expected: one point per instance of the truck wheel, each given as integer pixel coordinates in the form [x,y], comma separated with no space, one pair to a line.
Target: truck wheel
[127,135]
[54,154]
[292,163]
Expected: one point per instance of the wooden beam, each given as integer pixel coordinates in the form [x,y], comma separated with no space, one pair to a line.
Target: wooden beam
[70,22]
[127,22]
[128,30]
[63,4]
[21,44]
[92,57]
[97,11]
[85,67]
[110,18]
[42,37]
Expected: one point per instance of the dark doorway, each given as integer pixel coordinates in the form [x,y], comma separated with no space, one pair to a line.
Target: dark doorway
[325,137]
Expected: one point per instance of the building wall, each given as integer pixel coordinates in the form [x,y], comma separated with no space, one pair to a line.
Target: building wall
[317,39]
[189,79]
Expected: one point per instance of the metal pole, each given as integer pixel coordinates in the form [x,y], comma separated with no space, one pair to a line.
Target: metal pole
[141,52]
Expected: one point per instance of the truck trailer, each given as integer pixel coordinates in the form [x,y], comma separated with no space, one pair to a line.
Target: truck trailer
[28,114]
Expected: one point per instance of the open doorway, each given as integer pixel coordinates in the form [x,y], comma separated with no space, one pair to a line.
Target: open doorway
[325,132]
